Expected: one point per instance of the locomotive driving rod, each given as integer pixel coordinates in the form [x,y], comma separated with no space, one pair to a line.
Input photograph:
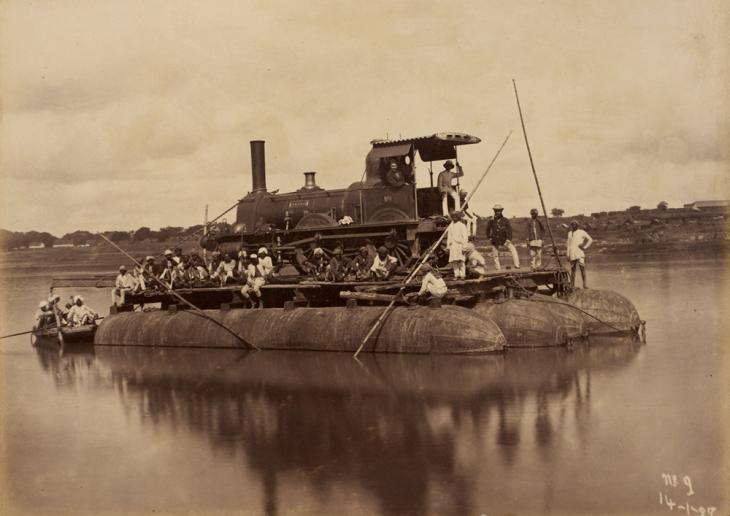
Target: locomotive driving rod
[423,258]
[169,290]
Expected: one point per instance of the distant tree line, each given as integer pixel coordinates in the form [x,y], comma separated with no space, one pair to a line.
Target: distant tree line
[10,240]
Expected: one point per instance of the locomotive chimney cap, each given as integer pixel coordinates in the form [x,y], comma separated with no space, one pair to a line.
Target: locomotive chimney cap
[310,184]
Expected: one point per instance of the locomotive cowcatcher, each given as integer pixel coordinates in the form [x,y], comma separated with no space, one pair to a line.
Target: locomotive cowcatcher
[386,207]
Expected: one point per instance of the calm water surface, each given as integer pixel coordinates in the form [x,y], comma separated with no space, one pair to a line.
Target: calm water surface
[548,431]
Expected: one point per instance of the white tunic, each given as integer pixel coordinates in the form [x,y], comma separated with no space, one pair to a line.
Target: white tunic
[575,240]
[456,237]
[126,281]
[433,285]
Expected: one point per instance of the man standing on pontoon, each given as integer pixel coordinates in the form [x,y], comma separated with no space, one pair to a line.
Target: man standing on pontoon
[499,233]
[578,241]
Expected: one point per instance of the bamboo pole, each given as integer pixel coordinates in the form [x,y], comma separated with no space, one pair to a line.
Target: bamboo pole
[534,173]
[428,253]
[169,290]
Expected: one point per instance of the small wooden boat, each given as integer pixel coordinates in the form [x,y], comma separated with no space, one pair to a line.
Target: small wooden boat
[82,333]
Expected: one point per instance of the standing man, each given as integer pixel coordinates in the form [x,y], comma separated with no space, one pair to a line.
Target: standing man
[457,236]
[446,188]
[535,234]
[578,241]
[499,233]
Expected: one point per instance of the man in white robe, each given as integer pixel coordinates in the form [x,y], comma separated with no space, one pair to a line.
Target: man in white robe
[457,236]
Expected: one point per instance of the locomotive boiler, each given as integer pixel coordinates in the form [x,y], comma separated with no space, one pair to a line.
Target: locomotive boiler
[386,207]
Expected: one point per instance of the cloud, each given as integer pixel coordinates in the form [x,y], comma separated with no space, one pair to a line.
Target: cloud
[140,113]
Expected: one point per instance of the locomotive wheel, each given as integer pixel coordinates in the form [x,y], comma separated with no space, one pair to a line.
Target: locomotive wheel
[402,251]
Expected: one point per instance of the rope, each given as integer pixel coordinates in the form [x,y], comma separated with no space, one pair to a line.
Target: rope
[531,294]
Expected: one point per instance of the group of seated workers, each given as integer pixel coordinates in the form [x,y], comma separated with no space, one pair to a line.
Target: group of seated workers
[191,271]
[366,266]
[177,270]
[73,313]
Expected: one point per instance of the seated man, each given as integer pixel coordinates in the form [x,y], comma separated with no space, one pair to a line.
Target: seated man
[168,254]
[201,278]
[476,265]
[54,307]
[226,271]
[138,275]
[43,317]
[215,261]
[149,272]
[317,264]
[255,279]
[432,283]
[125,283]
[177,256]
[168,274]
[336,270]
[265,261]
[383,265]
[80,313]
[360,265]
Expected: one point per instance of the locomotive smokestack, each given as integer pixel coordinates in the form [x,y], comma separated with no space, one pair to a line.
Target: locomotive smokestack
[258,166]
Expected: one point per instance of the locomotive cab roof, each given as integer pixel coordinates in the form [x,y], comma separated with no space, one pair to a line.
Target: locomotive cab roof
[436,147]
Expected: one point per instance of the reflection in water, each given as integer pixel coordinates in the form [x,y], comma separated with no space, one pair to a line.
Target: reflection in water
[411,432]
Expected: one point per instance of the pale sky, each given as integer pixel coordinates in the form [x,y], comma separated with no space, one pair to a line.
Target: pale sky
[122,114]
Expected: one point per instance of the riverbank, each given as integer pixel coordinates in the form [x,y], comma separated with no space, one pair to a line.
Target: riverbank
[102,259]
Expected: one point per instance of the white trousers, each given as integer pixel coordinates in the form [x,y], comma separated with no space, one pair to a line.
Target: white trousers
[459,269]
[513,251]
[445,201]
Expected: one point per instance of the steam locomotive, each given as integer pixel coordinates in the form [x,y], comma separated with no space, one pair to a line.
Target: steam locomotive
[386,207]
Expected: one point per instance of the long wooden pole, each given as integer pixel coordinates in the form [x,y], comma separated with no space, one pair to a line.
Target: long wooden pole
[16,334]
[537,183]
[423,258]
[207,224]
[178,296]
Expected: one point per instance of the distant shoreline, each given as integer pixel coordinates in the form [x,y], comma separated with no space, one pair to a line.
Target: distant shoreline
[103,260]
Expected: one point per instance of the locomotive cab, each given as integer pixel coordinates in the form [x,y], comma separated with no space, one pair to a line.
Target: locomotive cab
[386,207]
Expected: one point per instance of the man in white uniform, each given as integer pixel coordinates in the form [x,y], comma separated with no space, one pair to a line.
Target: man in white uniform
[255,279]
[432,283]
[578,241]
[125,283]
[457,236]
[265,261]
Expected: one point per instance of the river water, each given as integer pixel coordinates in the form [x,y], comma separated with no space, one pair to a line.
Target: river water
[587,431]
